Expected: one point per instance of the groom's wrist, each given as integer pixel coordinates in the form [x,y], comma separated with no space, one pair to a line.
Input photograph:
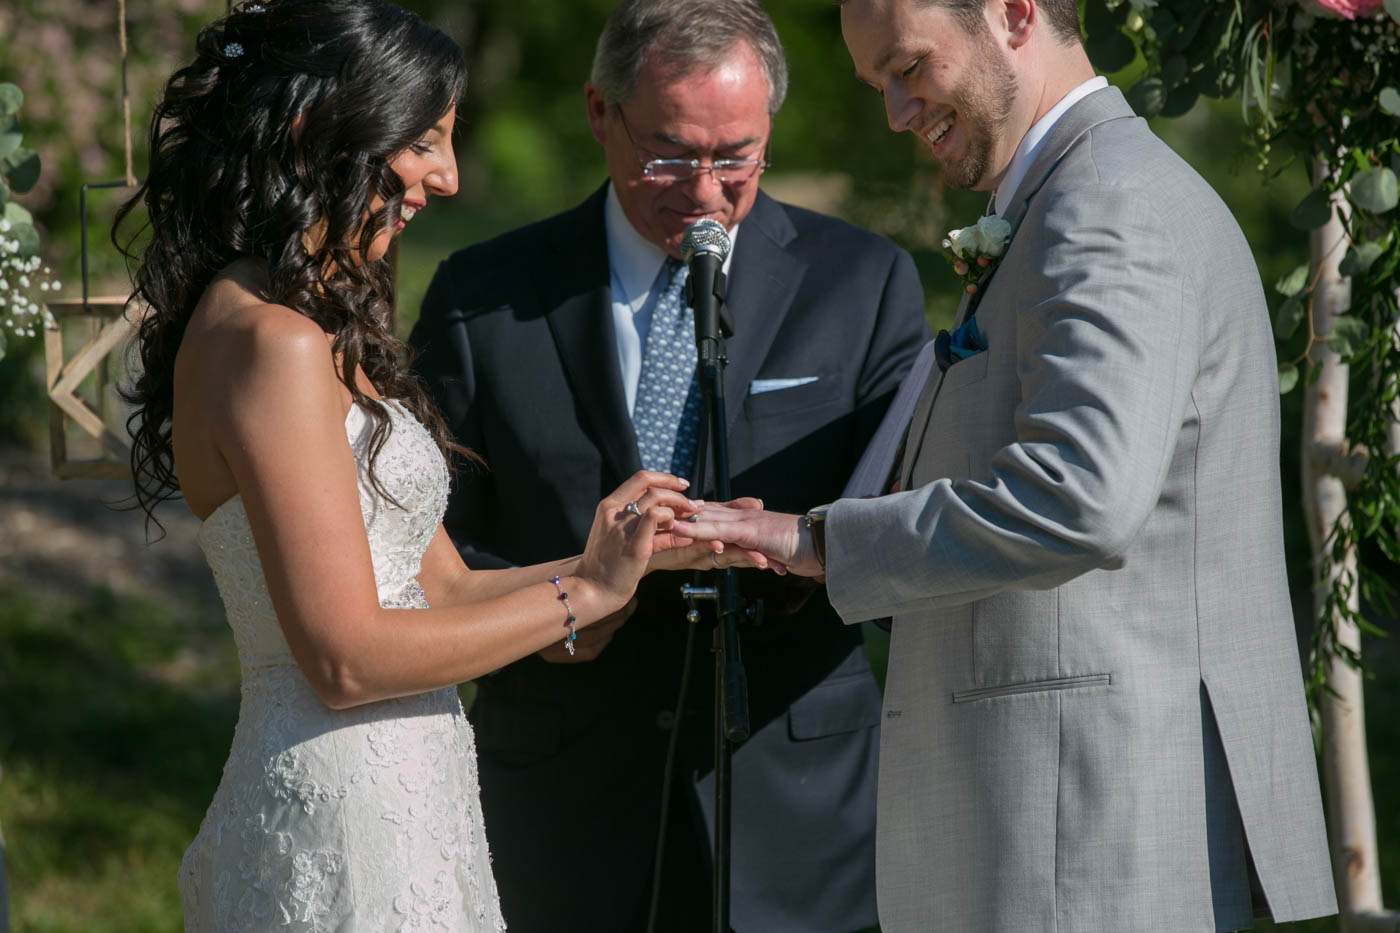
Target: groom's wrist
[815,524]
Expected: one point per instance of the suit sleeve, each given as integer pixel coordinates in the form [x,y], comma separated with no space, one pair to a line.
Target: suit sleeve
[898,334]
[443,360]
[1106,363]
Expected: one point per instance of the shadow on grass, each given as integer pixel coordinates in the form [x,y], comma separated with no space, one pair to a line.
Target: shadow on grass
[117,716]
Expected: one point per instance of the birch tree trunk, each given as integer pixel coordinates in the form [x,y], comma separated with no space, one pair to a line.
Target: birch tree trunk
[1347,773]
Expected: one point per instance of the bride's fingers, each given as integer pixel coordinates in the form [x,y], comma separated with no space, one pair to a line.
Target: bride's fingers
[638,483]
[653,498]
[748,503]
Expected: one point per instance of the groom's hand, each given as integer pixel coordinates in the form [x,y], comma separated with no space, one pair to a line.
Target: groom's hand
[591,640]
[782,538]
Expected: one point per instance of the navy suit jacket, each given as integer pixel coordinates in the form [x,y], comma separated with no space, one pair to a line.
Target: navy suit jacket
[516,342]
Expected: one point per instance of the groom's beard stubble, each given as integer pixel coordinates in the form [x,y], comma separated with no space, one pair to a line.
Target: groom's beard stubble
[983,104]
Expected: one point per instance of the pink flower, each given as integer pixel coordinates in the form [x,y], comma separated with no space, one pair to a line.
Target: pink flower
[1347,9]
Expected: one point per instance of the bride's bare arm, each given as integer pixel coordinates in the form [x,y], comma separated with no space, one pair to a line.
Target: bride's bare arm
[280,427]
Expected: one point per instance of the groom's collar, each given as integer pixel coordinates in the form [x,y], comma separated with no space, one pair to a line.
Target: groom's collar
[1097,107]
[1030,144]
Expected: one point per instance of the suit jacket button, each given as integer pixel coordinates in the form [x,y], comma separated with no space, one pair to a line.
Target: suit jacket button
[665,720]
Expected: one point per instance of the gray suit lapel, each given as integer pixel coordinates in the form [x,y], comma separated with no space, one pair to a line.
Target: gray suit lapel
[1099,107]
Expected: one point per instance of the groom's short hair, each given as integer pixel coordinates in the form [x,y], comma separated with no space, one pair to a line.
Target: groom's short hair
[1063,15]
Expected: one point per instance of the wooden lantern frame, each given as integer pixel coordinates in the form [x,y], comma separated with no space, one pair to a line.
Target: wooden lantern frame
[112,327]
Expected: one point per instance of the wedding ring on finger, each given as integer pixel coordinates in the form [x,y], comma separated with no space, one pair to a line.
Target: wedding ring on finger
[714,561]
[632,507]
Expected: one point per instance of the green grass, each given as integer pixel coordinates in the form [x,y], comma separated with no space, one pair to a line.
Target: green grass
[115,718]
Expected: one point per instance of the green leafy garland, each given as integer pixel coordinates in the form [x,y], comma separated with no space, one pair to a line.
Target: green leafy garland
[1324,76]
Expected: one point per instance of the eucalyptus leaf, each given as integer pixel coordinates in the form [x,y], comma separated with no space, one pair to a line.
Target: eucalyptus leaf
[11,98]
[1180,101]
[25,170]
[1358,261]
[1293,283]
[16,213]
[1390,101]
[1393,8]
[2,343]
[1375,191]
[1290,315]
[1287,378]
[1312,212]
[4,191]
[1111,51]
[28,239]
[1313,372]
[1349,334]
[1174,70]
[9,142]
[1147,97]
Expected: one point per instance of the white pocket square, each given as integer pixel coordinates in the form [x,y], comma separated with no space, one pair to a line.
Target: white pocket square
[759,386]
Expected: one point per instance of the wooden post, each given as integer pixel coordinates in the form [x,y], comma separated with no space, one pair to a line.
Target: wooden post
[1346,769]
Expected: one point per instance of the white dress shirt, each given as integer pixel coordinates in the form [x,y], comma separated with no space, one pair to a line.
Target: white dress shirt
[633,264]
[1030,144]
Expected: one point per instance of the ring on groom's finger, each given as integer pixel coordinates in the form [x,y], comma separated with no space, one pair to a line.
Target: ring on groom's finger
[632,507]
[714,561]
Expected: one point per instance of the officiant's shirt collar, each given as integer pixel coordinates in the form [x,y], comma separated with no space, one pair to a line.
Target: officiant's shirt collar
[634,260]
[1030,145]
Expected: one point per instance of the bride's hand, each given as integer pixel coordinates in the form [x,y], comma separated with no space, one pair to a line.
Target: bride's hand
[628,527]
[682,553]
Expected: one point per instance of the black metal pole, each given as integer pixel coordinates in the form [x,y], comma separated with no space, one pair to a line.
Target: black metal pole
[731,693]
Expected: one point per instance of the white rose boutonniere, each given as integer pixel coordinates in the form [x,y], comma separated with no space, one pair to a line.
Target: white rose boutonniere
[974,250]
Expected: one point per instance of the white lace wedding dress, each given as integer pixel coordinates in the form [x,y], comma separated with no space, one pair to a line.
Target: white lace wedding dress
[364,819]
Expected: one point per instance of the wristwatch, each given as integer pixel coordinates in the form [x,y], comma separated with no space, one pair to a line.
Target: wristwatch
[815,523]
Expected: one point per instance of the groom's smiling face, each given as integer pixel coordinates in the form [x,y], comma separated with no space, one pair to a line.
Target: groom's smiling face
[950,85]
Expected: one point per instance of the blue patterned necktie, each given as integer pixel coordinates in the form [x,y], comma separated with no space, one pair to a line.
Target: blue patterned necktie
[666,416]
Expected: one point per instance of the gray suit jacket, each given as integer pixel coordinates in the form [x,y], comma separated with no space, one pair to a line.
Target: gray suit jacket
[1094,695]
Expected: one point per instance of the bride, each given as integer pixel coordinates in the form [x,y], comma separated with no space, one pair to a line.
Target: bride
[284,157]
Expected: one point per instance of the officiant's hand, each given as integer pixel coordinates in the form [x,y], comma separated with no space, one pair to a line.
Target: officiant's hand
[780,537]
[591,640]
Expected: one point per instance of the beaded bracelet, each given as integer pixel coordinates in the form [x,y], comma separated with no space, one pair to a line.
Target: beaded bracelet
[564,598]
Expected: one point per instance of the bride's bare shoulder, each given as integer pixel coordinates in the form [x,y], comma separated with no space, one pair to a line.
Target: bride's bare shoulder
[238,339]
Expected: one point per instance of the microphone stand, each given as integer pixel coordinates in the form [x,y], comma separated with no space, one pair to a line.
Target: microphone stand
[712,325]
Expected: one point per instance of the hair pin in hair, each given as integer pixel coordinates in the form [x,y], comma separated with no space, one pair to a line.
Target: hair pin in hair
[233,50]
[255,8]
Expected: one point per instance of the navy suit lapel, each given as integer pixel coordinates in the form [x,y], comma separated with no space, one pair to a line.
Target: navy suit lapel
[582,326]
[764,277]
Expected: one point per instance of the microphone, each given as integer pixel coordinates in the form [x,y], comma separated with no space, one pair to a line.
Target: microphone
[704,247]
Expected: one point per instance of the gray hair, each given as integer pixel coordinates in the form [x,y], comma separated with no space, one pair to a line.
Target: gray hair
[687,35]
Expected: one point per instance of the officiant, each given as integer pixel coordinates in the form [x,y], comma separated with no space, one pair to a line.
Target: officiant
[563,353]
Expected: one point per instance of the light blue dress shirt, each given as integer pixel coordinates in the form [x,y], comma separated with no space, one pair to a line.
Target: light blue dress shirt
[633,264]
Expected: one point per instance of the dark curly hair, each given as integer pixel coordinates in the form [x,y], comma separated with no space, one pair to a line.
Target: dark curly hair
[284,125]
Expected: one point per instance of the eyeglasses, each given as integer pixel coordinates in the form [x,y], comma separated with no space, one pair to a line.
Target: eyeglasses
[669,171]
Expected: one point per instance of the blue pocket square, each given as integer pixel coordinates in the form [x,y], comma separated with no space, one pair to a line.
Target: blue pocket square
[966,341]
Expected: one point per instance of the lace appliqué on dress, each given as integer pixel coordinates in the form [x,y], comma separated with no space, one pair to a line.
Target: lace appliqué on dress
[346,820]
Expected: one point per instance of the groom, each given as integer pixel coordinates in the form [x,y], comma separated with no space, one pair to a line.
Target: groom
[1094,715]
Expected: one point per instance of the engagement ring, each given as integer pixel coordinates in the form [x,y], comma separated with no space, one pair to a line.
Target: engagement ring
[632,507]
